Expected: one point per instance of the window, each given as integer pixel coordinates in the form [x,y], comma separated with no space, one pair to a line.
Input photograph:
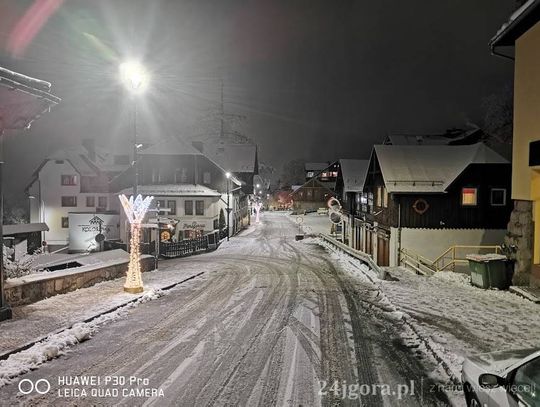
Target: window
[378,202]
[69,180]
[161,203]
[69,201]
[188,207]
[310,174]
[102,202]
[206,177]
[172,206]
[525,383]
[469,196]
[90,201]
[385,198]
[155,175]
[498,197]
[65,222]
[180,175]
[199,208]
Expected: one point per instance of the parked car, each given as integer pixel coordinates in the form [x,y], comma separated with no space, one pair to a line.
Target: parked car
[498,379]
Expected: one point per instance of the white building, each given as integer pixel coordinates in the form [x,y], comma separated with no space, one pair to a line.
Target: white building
[72,180]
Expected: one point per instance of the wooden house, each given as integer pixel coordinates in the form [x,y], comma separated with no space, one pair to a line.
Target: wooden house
[428,198]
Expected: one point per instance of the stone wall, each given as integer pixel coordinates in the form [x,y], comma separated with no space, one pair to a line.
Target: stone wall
[519,240]
[29,289]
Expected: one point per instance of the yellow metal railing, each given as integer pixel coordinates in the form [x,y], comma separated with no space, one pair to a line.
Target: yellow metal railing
[453,256]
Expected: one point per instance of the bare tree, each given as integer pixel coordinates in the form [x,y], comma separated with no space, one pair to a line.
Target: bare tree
[498,116]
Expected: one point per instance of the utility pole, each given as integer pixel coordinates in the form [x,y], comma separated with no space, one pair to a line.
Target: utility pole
[228,175]
[5,309]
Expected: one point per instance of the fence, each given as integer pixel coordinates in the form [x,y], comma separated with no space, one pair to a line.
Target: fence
[190,246]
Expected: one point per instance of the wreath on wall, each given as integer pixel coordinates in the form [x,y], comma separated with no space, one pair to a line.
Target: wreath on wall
[420,206]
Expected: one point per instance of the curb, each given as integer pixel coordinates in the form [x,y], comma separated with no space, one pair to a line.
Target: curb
[28,345]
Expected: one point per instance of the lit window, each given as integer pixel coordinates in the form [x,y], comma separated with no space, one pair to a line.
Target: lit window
[498,197]
[385,198]
[69,201]
[469,196]
[69,180]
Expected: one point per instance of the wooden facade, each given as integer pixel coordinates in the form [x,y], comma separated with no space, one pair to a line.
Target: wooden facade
[373,213]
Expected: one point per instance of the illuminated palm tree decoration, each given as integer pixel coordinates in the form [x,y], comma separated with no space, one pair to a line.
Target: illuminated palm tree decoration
[135,211]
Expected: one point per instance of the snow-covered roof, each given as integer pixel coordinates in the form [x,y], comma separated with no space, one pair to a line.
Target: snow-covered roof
[21,228]
[429,168]
[519,22]
[316,166]
[171,146]
[236,158]
[295,187]
[173,190]
[23,99]
[77,157]
[354,174]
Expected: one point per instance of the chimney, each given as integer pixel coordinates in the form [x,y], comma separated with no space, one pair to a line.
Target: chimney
[198,145]
[90,145]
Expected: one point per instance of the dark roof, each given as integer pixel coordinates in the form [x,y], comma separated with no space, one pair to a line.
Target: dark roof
[22,228]
[23,99]
[519,22]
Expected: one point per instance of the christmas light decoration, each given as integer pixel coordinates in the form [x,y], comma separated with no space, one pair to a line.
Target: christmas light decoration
[135,210]
[258,207]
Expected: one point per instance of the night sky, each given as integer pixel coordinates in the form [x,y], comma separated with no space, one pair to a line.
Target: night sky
[315,79]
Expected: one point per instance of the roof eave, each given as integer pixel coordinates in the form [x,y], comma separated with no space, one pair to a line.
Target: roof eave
[520,21]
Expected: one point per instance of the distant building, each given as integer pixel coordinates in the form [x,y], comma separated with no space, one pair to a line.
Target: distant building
[313,168]
[73,180]
[426,199]
[519,39]
[190,185]
[349,189]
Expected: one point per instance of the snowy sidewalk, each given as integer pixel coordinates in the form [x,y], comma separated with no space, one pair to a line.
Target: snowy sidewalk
[460,319]
[35,321]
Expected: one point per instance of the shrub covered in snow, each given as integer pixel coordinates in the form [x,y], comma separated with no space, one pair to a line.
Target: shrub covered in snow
[20,267]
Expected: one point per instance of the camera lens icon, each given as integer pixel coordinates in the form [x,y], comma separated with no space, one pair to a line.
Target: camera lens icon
[41,386]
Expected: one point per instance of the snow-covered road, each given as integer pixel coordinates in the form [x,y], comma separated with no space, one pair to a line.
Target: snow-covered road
[272,322]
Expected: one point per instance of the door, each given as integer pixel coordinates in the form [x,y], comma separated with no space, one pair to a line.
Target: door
[383,252]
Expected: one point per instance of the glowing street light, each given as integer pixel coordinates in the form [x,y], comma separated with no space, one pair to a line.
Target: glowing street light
[135,78]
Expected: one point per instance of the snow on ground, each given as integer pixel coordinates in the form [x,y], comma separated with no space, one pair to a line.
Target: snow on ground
[445,316]
[34,321]
[313,223]
[59,343]
[461,319]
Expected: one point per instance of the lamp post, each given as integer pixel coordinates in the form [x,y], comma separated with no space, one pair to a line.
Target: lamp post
[228,175]
[135,79]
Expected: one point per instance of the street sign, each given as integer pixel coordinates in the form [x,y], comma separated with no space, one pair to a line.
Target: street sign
[149,225]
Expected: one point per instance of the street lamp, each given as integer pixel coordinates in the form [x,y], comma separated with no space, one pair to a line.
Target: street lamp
[228,175]
[135,78]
